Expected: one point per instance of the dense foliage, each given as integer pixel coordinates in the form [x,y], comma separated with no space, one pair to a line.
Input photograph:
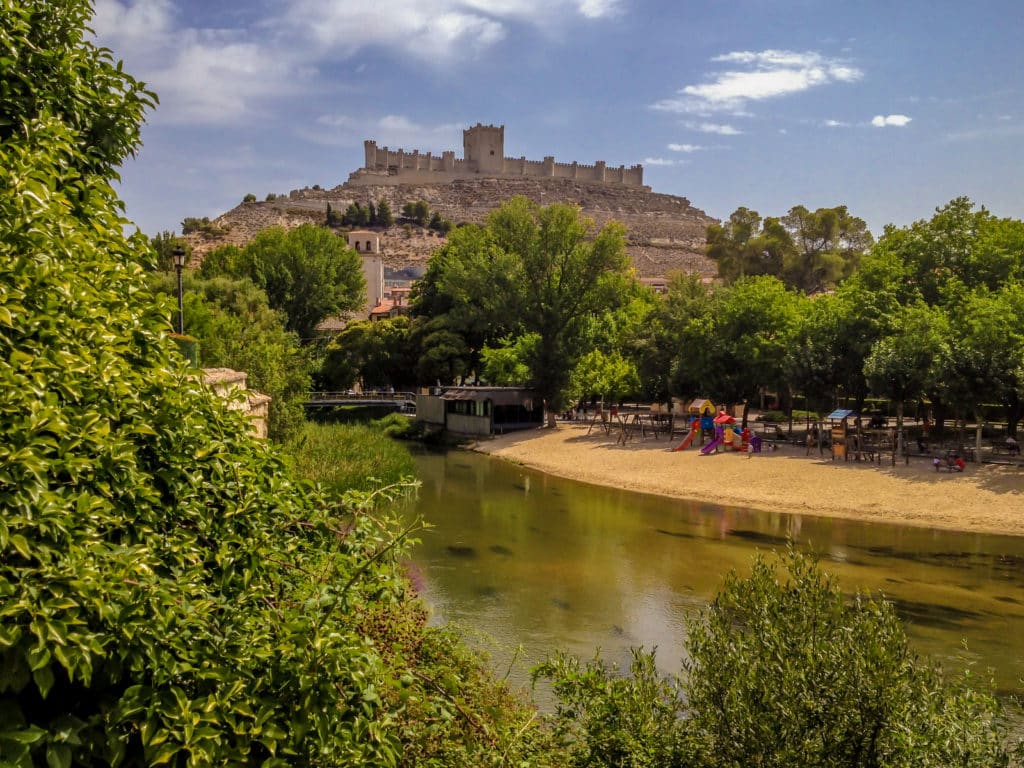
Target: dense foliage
[782,671]
[531,270]
[169,594]
[377,355]
[807,305]
[308,273]
[237,329]
[809,251]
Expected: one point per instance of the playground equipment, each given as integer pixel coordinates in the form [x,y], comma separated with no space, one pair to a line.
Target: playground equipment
[701,413]
[694,429]
[839,436]
[724,430]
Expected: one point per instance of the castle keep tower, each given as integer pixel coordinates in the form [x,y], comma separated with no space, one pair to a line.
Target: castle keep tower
[483,147]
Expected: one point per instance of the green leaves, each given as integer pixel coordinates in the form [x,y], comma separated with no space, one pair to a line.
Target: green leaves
[169,592]
[783,670]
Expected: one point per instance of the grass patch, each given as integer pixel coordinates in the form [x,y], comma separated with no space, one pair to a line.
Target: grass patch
[350,457]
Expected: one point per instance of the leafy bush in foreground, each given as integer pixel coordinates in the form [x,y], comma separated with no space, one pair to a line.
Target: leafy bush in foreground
[782,672]
[169,595]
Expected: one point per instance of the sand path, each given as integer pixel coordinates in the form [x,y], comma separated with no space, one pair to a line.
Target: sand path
[985,498]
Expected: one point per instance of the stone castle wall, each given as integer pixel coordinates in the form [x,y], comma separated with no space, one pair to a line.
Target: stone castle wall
[483,148]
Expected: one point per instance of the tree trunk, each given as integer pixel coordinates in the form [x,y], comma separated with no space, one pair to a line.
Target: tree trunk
[977,434]
[899,430]
[1013,414]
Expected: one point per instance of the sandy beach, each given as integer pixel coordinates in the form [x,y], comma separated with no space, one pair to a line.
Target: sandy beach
[985,498]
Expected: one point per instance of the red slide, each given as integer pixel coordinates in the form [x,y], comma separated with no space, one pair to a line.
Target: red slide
[686,442]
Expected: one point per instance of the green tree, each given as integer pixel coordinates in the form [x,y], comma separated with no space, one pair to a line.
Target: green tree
[808,251]
[834,334]
[746,340]
[980,361]
[249,198]
[782,670]
[442,354]
[355,216]
[377,354]
[507,365]
[828,245]
[609,376]
[787,671]
[466,300]
[439,224]
[903,363]
[565,274]
[171,594]
[417,212]
[307,272]
[163,244]
[958,246]
[237,329]
[670,360]
[742,247]
[385,218]
[192,224]
[222,261]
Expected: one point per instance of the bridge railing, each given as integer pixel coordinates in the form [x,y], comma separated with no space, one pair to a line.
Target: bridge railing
[386,397]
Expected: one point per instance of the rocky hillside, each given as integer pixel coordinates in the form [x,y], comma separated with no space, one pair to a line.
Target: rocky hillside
[665,233]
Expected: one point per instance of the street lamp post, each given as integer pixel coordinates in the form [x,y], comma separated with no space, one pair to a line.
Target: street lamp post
[179,264]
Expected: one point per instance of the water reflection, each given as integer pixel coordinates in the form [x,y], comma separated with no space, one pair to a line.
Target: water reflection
[544,563]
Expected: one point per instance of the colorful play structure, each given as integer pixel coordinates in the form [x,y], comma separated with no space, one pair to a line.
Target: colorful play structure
[710,423]
[701,413]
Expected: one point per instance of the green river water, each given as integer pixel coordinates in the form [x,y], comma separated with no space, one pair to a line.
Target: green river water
[537,563]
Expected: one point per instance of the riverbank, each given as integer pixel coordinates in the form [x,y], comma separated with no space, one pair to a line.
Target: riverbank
[985,498]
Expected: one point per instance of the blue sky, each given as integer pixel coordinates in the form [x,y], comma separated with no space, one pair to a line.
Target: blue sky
[891,108]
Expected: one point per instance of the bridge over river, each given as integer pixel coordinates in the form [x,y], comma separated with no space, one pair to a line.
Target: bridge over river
[404,402]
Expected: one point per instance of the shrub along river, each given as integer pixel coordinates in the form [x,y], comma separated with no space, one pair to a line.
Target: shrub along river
[538,563]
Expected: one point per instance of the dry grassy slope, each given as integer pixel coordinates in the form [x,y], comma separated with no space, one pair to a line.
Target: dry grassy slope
[665,232]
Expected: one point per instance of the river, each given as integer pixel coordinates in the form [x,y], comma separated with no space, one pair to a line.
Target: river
[530,563]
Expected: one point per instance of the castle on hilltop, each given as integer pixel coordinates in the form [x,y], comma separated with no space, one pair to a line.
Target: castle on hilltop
[483,149]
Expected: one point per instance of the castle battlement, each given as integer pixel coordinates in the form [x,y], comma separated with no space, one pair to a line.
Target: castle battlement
[483,156]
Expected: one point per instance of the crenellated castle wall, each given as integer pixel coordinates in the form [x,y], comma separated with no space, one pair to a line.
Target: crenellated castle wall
[483,147]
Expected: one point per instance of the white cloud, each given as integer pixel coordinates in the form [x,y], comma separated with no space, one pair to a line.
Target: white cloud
[766,75]
[434,32]
[686,147]
[835,124]
[658,161]
[883,121]
[598,9]
[202,76]
[718,128]
[225,75]
[437,32]
[132,26]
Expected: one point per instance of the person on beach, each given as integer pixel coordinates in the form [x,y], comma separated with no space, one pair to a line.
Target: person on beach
[812,437]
